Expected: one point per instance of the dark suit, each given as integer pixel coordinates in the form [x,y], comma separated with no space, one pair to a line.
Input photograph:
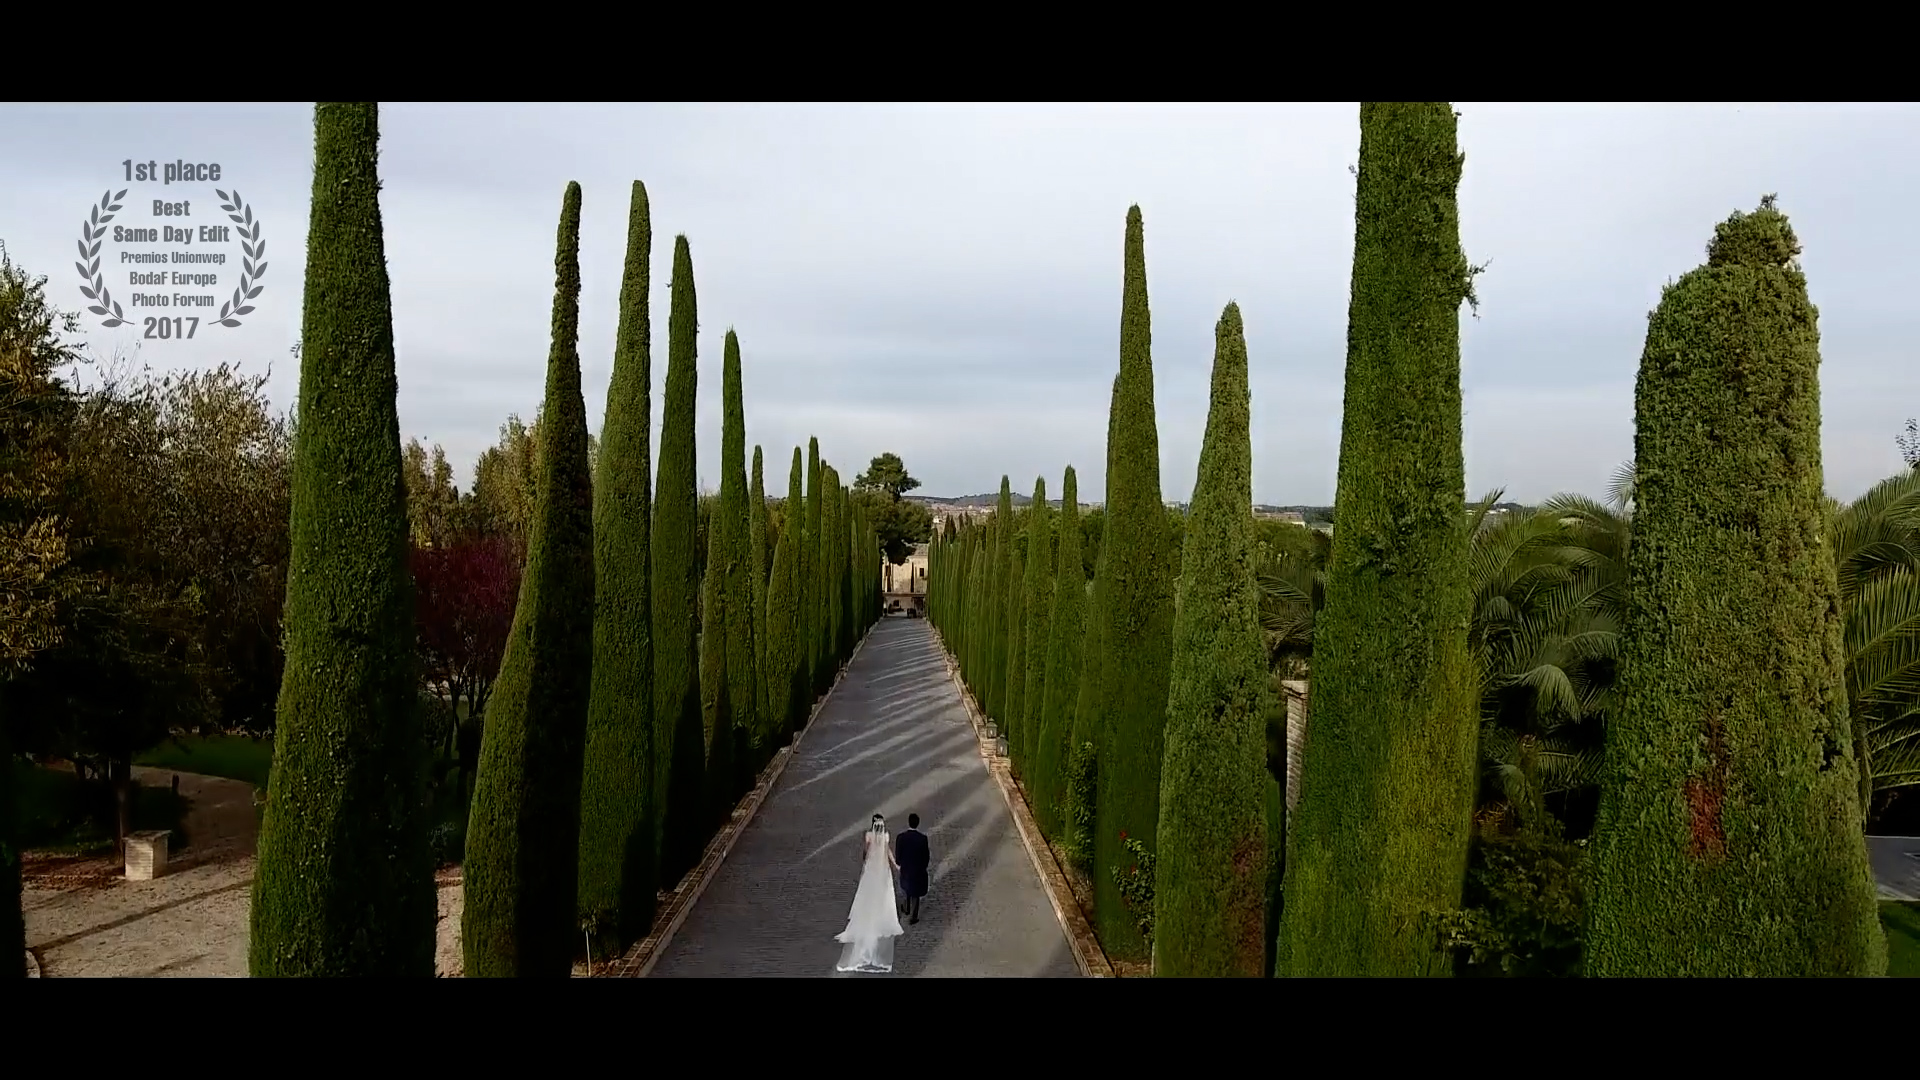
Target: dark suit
[910,851]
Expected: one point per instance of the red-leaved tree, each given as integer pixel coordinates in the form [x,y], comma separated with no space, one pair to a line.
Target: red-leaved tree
[464,596]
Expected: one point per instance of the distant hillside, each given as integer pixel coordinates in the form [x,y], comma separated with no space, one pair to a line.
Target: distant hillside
[973,500]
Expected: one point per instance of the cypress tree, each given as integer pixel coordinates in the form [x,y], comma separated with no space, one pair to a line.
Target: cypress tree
[844,538]
[786,688]
[849,560]
[833,556]
[344,884]
[862,588]
[1078,803]
[996,605]
[679,745]
[716,696]
[1013,604]
[1134,606]
[738,588]
[976,619]
[815,608]
[1037,612]
[1729,840]
[523,846]
[768,722]
[618,860]
[1065,634]
[1210,868]
[1379,834]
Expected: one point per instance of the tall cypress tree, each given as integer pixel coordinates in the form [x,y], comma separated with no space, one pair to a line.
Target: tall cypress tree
[1013,603]
[344,884]
[976,617]
[1037,612]
[786,687]
[1065,633]
[618,859]
[1381,827]
[766,721]
[1209,896]
[716,696]
[1134,604]
[848,531]
[742,654]
[996,605]
[523,845]
[833,528]
[815,608]
[1729,841]
[679,745]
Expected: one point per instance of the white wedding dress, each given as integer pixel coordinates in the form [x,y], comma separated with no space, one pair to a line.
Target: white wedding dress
[874,920]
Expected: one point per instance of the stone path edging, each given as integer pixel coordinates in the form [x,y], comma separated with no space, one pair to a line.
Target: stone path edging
[638,961]
[1087,953]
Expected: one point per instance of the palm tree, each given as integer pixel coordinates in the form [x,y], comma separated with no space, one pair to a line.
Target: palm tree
[1876,546]
[1547,593]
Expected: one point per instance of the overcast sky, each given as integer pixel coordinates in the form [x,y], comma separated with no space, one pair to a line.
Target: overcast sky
[944,281]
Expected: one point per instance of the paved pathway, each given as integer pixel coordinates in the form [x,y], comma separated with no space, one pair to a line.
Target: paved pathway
[893,739]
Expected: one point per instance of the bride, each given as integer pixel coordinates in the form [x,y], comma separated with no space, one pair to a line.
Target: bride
[874,921]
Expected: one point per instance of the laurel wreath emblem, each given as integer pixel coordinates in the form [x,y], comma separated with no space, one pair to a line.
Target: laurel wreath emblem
[95,289]
[253,250]
[253,267]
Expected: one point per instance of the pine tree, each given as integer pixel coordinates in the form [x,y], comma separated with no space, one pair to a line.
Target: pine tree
[742,654]
[1037,615]
[767,723]
[1729,840]
[1134,606]
[523,845]
[344,884]
[1210,867]
[618,859]
[786,688]
[1065,625]
[679,745]
[1381,827]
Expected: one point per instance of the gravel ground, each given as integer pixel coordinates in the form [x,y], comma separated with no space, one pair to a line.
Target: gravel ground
[84,919]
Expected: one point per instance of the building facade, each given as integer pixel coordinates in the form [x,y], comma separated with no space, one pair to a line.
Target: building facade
[904,587]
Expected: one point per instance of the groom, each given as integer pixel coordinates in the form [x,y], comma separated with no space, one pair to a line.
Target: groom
[910,851]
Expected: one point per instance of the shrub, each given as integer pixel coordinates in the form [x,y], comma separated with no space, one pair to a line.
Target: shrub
[1135,885]
[1523,907]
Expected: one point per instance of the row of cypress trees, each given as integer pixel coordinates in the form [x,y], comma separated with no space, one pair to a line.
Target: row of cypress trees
[625,722]
[1079,672]
[1729,840]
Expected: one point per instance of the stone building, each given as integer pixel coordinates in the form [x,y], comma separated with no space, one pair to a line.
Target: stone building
[904,587]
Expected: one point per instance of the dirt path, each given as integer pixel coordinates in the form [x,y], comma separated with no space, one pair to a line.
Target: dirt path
[84,918]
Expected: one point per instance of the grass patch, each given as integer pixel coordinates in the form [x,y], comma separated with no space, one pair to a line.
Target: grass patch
[63,815]
[234,757]
[1902,922]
